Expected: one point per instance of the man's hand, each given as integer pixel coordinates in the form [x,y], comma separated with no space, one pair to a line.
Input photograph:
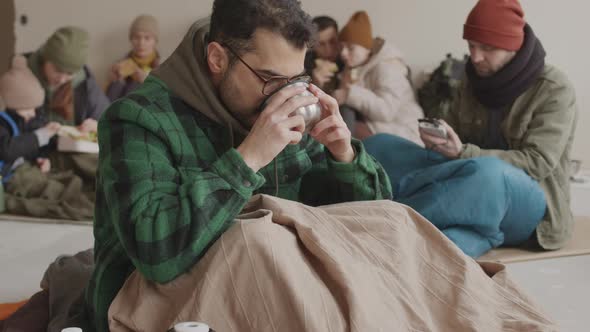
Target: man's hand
[323,72]
[139,75]
[44,165]
[332,131]
[321,77]
[275,128]
[88,126]
[115,74]
[450,147]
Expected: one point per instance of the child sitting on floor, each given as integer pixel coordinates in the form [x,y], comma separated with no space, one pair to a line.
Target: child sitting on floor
[31,189]
[22,132]
[127,74]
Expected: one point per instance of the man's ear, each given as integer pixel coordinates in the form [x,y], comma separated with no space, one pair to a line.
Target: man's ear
[217,58]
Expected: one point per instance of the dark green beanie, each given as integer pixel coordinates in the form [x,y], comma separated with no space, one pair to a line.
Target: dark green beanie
[67,49]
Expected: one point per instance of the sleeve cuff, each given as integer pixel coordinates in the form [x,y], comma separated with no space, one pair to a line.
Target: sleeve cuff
[234,170]
[43,136]
[470,151]
[361,160]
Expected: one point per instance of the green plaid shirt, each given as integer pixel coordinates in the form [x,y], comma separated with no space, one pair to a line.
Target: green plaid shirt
[170,183]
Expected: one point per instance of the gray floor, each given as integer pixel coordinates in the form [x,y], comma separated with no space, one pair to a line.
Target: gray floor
[27,249]
[561,286]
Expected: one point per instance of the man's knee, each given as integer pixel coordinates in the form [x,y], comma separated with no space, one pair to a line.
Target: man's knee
[524,197]
[495,169]
[497,177]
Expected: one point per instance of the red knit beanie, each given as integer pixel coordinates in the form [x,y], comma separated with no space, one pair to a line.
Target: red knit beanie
[498,23]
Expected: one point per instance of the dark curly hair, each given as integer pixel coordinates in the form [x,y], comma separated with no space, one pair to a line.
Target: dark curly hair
[233,22]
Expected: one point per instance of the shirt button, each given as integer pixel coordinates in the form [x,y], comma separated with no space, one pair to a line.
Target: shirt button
[285,178]
[247,183]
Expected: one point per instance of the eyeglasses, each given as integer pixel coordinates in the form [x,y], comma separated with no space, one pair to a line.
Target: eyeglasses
[272,83]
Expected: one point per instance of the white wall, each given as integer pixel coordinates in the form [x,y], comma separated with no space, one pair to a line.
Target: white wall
[108,22]
[424,29]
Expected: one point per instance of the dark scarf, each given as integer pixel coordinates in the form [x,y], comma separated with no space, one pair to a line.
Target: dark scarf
[502,89]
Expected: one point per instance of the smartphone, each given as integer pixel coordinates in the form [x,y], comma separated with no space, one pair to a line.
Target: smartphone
[432,127]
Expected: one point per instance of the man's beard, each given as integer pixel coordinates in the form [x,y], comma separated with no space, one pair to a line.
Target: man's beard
[483,71]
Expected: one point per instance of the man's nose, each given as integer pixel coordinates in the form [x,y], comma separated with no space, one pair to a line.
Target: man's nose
[476,56]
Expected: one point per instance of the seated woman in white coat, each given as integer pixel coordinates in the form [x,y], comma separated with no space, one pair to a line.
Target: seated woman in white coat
[375,84]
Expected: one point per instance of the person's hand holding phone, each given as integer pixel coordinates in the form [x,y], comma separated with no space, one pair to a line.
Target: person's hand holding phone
[449,146]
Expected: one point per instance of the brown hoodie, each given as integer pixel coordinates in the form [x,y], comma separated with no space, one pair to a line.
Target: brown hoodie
[186,74]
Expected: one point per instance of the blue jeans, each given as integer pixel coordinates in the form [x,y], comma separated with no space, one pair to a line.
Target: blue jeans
[478,203]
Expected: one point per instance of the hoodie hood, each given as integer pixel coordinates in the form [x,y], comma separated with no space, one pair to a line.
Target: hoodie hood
[186,74]
[382,52]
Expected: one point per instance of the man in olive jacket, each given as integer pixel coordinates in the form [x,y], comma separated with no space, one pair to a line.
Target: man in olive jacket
[512,107]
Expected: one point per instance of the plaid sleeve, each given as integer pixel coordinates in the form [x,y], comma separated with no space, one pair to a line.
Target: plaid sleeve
[165,216]
[331,181]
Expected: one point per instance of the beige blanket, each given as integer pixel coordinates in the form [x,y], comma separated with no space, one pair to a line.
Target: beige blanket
[364,266]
